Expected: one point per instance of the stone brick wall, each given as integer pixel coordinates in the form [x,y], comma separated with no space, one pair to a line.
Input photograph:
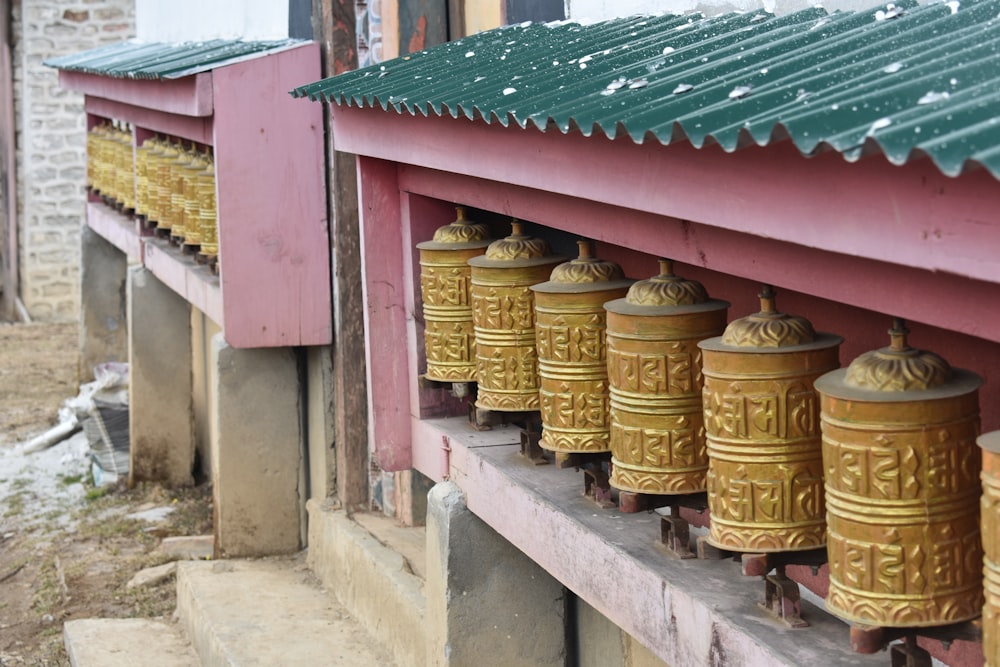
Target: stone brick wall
[51,127]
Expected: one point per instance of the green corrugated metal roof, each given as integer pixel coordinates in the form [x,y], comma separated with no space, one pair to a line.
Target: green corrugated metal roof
[165,60]
[904,79]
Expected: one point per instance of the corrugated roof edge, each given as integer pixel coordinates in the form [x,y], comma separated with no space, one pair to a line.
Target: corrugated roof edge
[840,58]
[158,53]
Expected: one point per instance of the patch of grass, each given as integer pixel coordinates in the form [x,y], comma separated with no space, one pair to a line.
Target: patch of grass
[152,601]
[96,493]
[15,504]
[21,483]
[69,480]
[48,593]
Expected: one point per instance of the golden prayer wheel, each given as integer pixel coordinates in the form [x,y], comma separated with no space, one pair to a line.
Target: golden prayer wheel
[191,231]
[503,317]
[654,373]
[902,488]
[765,472]
[164,183]
[178,177]
[570,324]
[142,178]
[990,508]
[124,168]
[445,278]
[154,155]
[207,217]
[93,146]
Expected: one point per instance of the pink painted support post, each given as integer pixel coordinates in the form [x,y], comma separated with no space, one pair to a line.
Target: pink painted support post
[386,325]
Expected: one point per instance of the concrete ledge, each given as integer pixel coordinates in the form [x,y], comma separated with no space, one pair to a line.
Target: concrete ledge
[370,579]
[268,612]
[126,642]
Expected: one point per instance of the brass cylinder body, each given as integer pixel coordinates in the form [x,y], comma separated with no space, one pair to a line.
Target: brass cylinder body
[207,216]
[142,177]
[178,177]
[125,169]
[164,184]
[657,426]
[192,203]
[902,489]
[445,282]
[990,525]
[570,329]
[765,476]
[503,316]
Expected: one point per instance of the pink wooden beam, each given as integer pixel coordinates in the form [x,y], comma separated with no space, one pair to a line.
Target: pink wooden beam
[188,96]
[907,216]
[941,299]
[192,128]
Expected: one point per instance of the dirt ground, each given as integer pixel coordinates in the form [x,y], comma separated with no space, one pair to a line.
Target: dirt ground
[67,547]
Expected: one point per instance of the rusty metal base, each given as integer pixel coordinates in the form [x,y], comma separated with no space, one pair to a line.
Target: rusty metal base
[872,639]
[211,261]
[908,654]
[782,597]
[675,531]
[531,434]
[675,534]
[596,475]
[630,502]
[528,421]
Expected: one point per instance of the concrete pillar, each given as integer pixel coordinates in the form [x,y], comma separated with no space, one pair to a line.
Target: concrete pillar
[103,330]
[257,445]
[486,601]
[161,418]
[320,423]
[601,643]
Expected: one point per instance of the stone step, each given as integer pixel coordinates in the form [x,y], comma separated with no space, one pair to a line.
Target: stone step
[376,569]
[126,642]
[269,612]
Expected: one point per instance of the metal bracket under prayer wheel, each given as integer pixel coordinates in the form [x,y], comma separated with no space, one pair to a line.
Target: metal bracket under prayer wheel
[872,639]
[675,531]
[782,599]
[531,434]
[596,477]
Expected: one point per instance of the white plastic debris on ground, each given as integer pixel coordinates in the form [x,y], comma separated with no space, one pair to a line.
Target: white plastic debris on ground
[43,476]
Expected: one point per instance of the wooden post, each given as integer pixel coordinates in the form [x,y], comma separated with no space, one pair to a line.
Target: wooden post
[8,182]
[335,31]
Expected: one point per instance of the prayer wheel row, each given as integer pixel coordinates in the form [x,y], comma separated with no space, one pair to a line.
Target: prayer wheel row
[168,184]
[175,191]
[110,163]
[876,462]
